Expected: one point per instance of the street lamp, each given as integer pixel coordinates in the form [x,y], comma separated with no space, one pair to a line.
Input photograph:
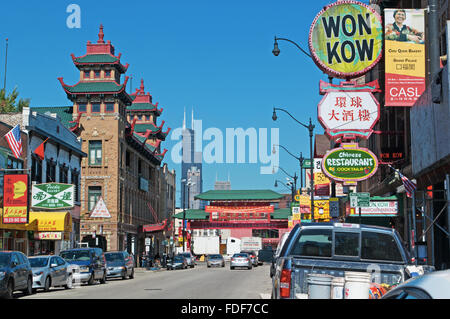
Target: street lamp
[289,185]
[276,50]
[300,159]
[293,177]
[188,185]
[310,128]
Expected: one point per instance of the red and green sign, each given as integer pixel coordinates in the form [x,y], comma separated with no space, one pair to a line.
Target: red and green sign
[349,163]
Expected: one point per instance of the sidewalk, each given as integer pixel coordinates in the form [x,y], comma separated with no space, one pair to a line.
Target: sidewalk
[152,269]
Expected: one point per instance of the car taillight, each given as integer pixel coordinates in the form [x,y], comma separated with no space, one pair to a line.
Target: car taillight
[285,283]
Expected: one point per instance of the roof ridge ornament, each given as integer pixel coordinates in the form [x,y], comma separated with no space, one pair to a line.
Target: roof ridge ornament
[101,35]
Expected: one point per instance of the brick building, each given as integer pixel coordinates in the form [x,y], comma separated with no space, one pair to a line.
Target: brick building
[123,141]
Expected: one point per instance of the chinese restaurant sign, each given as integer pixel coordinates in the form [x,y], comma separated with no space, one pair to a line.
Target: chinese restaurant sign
[348,109]
[404,56]
[349,163]
[15,199]
[346,39]
[238,213]
[52,196]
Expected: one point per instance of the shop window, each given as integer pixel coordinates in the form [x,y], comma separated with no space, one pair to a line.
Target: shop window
[63,174]
[95,152]
[94,194]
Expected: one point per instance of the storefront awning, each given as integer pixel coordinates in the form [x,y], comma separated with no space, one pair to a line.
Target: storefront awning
[43,222]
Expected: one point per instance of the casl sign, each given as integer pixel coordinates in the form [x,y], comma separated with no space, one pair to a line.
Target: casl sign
[346,39]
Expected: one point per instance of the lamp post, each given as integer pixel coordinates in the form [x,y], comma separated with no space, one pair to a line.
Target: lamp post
[310,128]
[276,50]
[183,182]
[292,187]
[293,177]
[300,160]
[188,185]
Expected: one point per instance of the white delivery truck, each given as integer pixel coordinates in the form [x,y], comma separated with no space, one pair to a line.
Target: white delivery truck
[233,247]
[206,245]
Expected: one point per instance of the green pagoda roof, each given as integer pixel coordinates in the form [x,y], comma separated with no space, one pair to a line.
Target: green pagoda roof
[94,87]
[239,195]
[96,58]
[143,107]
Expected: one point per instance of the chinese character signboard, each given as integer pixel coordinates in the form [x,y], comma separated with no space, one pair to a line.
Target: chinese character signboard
[349,163]
[15,199]
[239,214]
[404,56]
[346,39]
[377,208]
[52,196]
[348,109]
[49,236]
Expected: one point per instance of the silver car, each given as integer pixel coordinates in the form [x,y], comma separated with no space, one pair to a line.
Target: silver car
[433,285]
[50,271]
[190,258]
[215,260]
[241,260]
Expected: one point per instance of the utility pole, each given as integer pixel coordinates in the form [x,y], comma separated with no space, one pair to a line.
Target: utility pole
[433,32]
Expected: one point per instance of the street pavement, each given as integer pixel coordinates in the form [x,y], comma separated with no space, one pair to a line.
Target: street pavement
[197,283]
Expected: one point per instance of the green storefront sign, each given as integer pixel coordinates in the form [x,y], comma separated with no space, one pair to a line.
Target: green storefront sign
[349,163]
[52,196]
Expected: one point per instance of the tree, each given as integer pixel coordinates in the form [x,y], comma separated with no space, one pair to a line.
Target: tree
[9,103]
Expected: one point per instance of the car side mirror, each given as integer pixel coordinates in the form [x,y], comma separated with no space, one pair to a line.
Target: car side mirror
[13,264]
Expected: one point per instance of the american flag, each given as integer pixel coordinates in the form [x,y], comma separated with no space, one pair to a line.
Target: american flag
[410,186]
[15,141]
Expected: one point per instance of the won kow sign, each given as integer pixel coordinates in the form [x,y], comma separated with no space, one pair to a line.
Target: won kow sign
[346,39]
[349,163]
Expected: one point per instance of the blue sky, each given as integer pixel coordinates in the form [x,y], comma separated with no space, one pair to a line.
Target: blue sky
[213,56]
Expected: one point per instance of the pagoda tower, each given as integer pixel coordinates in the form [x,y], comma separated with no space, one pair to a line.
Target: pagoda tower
[123,141]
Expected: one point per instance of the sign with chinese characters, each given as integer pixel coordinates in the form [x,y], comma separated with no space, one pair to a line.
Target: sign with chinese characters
[404,56]
[15,199]
[100,210]
[52,196]
[49,236]
[349,163]
[239,213]
[346,39]
[348,109]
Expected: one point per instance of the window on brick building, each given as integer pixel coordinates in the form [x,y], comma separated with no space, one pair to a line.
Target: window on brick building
[95,152]
[94,194]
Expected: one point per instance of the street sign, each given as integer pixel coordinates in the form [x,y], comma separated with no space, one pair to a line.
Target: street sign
[359,200]
[306,164]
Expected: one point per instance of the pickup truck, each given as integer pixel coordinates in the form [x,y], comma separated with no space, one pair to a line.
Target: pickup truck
[333,249]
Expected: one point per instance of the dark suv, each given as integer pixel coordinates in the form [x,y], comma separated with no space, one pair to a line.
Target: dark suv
[91,262]
[15,273]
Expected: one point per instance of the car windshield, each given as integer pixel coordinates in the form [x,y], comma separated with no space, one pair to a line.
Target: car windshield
[38,261]
[187,255]
[80,255]
[215,257]
[178,258]
[240,255]
[114,257]
[4,260]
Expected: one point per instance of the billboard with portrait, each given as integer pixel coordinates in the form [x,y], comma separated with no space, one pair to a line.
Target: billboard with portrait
[404,56]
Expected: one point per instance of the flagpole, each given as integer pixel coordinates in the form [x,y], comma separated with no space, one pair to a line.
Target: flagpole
[6,61]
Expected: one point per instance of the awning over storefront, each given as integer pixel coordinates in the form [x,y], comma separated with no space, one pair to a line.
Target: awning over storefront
[43,222]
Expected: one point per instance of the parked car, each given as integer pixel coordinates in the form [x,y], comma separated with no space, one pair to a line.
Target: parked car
[252,255]
[91,262]
[265,255]
[50,271]
[434,285]
[190,258]
[277,252]
[15,274]
[241,260]
[215,260]
[178,262]
[333,249]
[119,264]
